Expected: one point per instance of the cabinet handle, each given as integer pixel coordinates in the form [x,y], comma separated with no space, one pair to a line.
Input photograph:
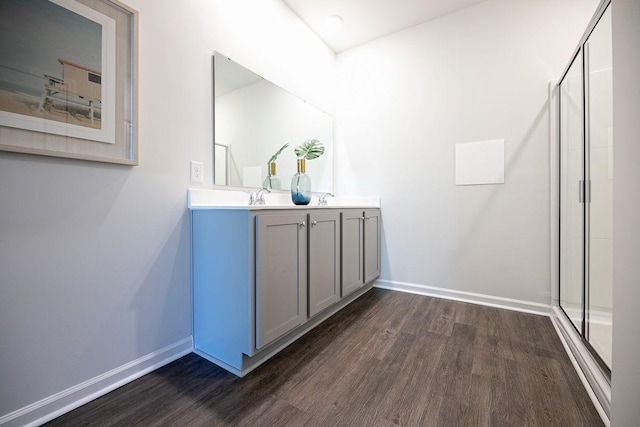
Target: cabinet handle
[314,223]
[303,224]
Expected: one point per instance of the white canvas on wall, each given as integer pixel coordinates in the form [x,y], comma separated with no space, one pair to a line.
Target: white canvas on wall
[480,162]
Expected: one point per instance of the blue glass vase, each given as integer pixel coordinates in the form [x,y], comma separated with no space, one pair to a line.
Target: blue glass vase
[301,185]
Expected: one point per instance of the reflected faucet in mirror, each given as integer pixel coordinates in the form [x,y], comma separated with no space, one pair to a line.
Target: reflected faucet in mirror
[323,199]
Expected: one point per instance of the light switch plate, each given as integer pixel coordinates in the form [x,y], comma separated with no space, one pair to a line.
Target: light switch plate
[197,174]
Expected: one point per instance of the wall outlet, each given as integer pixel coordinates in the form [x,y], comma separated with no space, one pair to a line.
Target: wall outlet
[197,174]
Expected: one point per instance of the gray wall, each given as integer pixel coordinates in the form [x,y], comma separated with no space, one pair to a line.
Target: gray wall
[94,258]
[625,386]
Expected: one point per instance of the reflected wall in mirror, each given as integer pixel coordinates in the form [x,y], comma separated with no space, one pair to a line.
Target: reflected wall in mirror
[253,119]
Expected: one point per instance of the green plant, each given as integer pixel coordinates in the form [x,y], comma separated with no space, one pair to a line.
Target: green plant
[275,156]
[310,149]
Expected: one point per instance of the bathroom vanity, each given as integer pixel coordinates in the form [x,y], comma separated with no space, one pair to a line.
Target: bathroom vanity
[265,275]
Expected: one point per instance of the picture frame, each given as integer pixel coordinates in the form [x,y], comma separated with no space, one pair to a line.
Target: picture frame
[69,79]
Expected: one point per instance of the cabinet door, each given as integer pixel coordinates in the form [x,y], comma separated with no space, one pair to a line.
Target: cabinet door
[352,251]
[281,275]
[371,245]
[324,261]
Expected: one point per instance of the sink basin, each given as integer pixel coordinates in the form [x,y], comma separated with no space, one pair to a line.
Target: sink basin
[278,199]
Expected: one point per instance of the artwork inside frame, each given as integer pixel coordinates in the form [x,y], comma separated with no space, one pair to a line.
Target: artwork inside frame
[68,79]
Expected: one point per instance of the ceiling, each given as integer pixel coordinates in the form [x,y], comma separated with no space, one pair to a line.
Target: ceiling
[366,20]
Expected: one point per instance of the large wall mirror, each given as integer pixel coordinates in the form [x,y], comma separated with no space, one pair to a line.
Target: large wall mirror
[253,119]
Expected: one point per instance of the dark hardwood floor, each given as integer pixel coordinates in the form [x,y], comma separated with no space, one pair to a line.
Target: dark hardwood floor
[388,359]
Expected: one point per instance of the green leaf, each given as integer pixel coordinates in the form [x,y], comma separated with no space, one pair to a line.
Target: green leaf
[310,149]
[275,156]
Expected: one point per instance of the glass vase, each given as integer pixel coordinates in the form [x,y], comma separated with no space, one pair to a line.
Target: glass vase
[301,185]
[272,182]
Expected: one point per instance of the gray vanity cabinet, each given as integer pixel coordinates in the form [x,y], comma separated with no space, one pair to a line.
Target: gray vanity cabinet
[324,260]
[352,251]
[360,248]
[263,278]
[372,249]
[281,275]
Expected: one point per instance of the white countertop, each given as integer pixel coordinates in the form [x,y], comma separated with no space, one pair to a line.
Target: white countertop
[201,198]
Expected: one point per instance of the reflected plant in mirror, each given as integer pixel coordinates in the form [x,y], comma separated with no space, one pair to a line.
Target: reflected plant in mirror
[252,119]
[301,182]
[272,182]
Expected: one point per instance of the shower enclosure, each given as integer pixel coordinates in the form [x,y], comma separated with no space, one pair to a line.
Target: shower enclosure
[585,193]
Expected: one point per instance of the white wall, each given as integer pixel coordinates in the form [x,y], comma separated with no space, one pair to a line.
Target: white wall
[625,384]
[94,258]
[258,119]
[270,40]
[405,100]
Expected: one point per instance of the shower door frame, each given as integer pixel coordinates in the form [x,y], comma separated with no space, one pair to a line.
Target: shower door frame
[585,190]
[595,375]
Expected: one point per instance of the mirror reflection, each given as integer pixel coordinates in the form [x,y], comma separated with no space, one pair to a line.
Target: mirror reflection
[254,118]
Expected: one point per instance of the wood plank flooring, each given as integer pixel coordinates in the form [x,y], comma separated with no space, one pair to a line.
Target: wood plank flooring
[388,359]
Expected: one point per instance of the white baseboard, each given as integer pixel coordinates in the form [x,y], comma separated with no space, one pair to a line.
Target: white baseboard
[471,297]
[60,403]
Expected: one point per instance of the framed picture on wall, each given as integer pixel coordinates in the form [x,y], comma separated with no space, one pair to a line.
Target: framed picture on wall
[68,79]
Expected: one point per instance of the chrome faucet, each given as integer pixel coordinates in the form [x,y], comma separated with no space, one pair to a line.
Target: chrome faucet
[257,198]
[323,199]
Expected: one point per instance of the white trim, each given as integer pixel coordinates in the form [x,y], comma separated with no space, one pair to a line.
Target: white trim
[221,363]
[67,400]
[594,380]
[471,297]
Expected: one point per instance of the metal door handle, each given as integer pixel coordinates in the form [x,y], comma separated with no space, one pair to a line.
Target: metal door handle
[314,223]
[303,224]
[580,191]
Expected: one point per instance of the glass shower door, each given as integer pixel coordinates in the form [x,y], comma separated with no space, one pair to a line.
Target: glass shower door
[599,212]
[586,191]
[571,194]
